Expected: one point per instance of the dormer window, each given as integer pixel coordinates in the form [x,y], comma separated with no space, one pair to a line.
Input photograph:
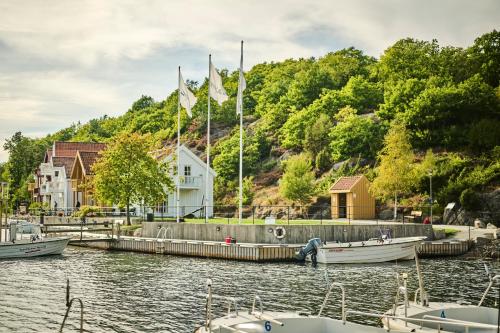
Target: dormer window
[187,170]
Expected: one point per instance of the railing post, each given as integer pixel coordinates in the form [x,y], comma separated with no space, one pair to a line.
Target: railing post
[321,216]
[253,214]
[288,215]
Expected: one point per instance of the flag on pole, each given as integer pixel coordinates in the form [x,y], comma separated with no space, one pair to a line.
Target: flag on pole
[186,97]
[242,85]
[217,90]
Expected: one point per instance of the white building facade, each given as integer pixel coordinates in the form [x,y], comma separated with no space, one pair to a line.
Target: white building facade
[193,185]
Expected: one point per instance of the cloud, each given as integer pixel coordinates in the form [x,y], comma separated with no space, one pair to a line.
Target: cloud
[65,61]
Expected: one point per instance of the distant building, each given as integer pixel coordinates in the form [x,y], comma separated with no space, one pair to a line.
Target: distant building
[52,183]
[192,184]
[351,199]
[81,178]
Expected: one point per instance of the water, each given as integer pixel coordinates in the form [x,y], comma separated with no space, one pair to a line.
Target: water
[129,292]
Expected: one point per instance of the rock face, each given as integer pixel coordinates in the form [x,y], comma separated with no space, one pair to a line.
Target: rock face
[489,212]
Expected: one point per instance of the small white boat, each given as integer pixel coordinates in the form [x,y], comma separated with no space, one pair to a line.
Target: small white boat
[422,316]
[370,251]
[34,245]
[256,320]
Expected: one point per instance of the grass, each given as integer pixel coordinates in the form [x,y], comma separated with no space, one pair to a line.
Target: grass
[130,227]
[449,231]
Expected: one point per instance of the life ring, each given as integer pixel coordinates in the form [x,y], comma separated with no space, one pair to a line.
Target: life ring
[279,232]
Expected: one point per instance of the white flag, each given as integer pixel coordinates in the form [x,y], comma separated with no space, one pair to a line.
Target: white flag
[187,99]
[217,90]
[242,85]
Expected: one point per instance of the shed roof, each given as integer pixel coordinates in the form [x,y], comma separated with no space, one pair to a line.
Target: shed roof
[345,184]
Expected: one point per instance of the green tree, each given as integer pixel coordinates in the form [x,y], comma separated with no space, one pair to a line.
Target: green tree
[126,172]
[317,136]
[485,57]
[25,154]
[297,183]
[396,171]
[353,136]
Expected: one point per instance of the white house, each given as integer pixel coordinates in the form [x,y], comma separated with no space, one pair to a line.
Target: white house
[192,185]
[53,176]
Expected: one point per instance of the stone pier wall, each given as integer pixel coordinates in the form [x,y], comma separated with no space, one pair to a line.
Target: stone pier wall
[294,234]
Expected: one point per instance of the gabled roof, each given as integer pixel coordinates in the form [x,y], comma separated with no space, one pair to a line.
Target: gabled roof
[69,149]
[345,184]
[48,156]
[85,159]
[167,154]
[66,162]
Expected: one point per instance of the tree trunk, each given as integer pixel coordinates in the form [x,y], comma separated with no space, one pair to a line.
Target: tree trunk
[395,206]
[128,212]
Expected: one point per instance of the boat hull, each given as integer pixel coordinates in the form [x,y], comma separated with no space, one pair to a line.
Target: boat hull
[369,252]
[26,249]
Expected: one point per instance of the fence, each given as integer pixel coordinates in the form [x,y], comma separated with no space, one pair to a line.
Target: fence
[251,214]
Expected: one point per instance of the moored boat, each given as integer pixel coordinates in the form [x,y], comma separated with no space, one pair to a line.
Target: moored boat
[32,246]
[370,251]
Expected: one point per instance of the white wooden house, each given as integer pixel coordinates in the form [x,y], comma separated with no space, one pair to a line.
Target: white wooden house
[192,185]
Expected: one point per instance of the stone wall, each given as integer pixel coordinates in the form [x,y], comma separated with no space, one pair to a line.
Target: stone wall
[295,234]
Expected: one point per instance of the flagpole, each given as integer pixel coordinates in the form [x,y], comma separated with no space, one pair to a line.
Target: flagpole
[208,141]
[178,146]
[240,212]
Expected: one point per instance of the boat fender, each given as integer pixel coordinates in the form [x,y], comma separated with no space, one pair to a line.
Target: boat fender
[279,232]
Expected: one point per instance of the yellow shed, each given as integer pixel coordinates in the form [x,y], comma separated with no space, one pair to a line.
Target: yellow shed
[351,198]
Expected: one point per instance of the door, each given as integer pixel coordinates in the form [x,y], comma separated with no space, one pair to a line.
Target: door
[342,205]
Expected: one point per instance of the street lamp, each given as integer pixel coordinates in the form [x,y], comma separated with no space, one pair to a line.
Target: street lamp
[430,186]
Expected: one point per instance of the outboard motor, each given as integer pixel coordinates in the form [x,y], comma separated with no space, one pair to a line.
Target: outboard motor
[311,248]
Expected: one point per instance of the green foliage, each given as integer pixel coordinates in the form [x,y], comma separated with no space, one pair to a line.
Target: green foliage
[127,173]
[396,171]
[485,57]
[484,135]
[353,136]
[248,190]
[470,200]
[35,208]
[297,183]
[88,211]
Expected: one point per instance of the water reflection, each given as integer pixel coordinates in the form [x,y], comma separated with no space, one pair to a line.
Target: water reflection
[127,292]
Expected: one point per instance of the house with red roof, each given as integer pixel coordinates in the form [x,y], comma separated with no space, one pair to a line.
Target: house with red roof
[350,198]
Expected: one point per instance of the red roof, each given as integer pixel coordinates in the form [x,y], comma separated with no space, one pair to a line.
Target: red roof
[69,149]
[66,162]
[345,183]
[88,158]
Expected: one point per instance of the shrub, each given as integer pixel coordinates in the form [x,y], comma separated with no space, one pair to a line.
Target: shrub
[470,200]
[86,211]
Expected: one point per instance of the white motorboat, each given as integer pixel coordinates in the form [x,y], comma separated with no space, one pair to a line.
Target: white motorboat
[26,241]
[371,251]
[257,321]
[422,316]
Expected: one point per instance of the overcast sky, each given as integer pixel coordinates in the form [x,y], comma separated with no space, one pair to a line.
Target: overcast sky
[68,61]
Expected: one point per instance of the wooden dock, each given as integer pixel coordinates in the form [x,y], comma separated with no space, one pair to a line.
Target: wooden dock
[444,248]
[242,251]
[204,249]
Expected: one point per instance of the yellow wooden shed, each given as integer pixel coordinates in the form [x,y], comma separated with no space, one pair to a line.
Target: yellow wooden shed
[351,198]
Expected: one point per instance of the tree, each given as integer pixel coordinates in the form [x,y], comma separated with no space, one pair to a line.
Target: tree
[485,54]
[24,156]
[317,137]
[353,136]
[395,173]
[126,172]
[297,183]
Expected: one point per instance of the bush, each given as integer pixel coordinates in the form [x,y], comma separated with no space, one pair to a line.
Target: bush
[470,200]
[87,211]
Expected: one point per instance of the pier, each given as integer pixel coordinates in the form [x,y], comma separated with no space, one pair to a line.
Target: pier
[204,249]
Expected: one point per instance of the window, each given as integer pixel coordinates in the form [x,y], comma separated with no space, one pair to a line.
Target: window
[56,173]
[187,170]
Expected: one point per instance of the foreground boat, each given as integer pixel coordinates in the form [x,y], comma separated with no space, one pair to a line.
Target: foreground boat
[422,316]
[33,246]
[258,321]
[371,251]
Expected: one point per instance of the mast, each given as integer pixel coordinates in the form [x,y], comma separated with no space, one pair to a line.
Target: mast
[208,140]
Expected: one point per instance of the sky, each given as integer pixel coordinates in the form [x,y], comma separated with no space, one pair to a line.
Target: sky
[67,61]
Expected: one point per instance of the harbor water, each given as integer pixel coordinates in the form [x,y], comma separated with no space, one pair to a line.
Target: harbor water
[131,292]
